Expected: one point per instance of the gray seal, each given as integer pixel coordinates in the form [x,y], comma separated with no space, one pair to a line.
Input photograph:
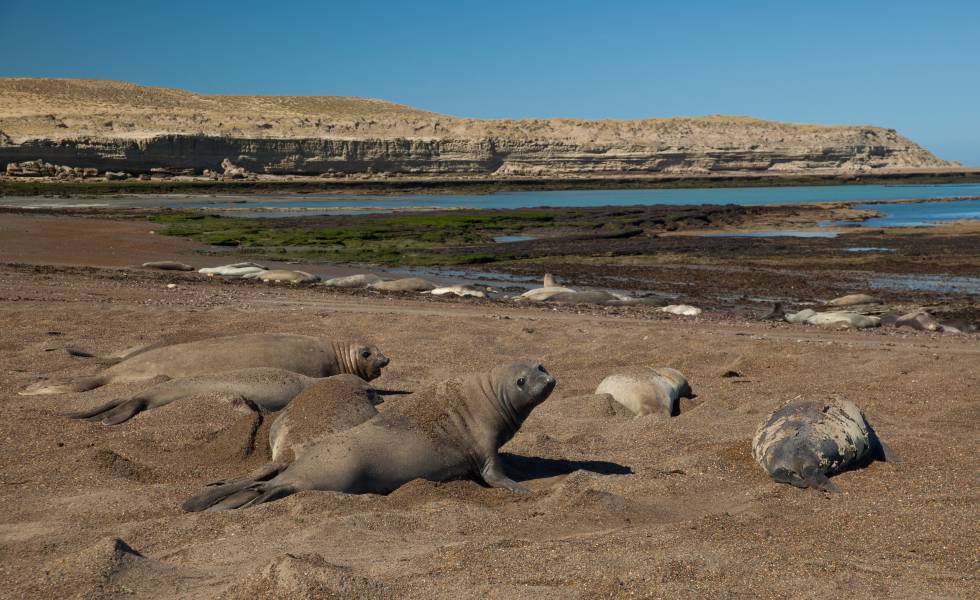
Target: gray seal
[303,354]
[804,442]
[450,430]
[263,388]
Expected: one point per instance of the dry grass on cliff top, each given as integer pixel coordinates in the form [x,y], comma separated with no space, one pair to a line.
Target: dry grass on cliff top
[67,108]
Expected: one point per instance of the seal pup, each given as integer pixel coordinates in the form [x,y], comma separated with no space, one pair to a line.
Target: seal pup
[684,310]
[447,431]
[646,390]
[303,354]
[167,265]
[352,281]
[325,407]
[284,276]
[406,284]
[804,442]
[266,389]
[853,300]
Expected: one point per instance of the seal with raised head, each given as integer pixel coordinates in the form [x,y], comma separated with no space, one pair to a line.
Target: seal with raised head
[263,388]
[646,390]
[447,431]
[804,442]
[303,354]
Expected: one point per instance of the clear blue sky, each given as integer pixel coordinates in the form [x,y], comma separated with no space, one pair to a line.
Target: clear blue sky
[914,66]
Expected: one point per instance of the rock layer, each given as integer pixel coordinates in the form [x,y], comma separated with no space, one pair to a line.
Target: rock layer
[118,126]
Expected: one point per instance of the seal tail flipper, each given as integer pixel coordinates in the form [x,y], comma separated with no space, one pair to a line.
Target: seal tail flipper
[885,454]
[818,480]
[233,494]
[125,411]
[271,493]
[95,413]
[64,386]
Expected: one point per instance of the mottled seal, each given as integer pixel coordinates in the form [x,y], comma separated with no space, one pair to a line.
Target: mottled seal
[325,407]
[684,310]
[352,281]
[264,388]
[804,442]
[450,430]
[307,355]
[167,265]
[853,300]
[407,284]
[283,276]
[646,390]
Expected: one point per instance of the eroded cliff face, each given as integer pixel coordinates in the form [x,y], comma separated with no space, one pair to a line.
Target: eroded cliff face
[122,127]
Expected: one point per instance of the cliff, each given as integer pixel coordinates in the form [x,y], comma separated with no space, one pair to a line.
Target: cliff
[125,127]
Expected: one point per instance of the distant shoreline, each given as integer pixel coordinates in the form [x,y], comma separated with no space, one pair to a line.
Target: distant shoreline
[16,186]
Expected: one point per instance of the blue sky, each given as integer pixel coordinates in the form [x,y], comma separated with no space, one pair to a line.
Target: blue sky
[914,66]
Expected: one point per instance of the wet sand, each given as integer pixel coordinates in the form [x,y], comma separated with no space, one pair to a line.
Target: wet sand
[621,506]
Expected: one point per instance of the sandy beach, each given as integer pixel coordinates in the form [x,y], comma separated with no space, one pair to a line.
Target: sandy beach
[646,507]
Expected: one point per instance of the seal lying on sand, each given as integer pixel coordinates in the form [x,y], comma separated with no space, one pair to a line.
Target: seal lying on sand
[447,431]
[844,319]
[352,281]
[457,290]
[325,407]
[279,275]
[234,270]
[167,265]
[645,390]
[684,310]
[407,284]
[853,300]
[543,294]
[307,355]
[803,442]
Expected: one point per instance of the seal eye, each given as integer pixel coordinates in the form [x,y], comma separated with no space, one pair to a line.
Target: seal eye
[521,381]
[366,353]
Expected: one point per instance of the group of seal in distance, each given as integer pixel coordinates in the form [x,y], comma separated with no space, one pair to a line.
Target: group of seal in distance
[328,435]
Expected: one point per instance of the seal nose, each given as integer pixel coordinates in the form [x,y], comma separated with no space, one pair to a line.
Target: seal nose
[385,360]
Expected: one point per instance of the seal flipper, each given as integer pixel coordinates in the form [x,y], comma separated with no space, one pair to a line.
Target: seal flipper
[63,386]
[124,412]
[94,414]
[493,475]
[233,494]
[818,480]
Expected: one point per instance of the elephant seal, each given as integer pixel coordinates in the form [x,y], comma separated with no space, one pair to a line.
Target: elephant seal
[446,431]
[845,319]
[549,281]
[352,281]
[264,388]
[234,270]
[325,407]
[646,390]
[543,294]
[167,265]
[684,310]
[303,354]
[920,320]
[804,442]
[407,284]
[280,275]
[853,300]
[458,290]
[799,317]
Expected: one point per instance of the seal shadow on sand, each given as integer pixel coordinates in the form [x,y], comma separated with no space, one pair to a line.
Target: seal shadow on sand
[526,468]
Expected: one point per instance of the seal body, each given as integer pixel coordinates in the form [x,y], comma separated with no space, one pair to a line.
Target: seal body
[684,310]
[323,408]
[234,270]
[352,281]
[543,294]
[303,354]
[264,388]
[853,300]
[458,290]
[646,390]
[407,284]
[167,265]
[447,431]
[845,319]
[283,276]
[804,442]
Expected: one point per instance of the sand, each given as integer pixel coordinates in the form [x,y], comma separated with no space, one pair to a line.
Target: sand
[621,506]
